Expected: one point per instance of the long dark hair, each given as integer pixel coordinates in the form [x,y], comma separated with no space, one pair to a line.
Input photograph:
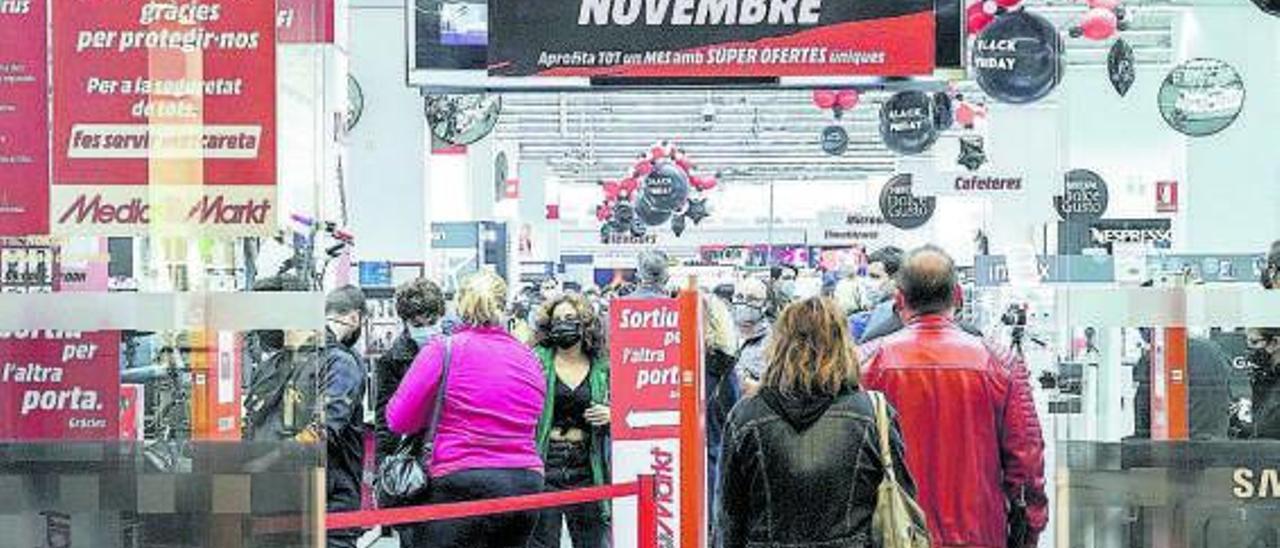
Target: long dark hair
[593,343]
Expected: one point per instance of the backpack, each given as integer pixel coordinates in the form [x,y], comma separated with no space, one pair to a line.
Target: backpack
[283,394]
[898,521]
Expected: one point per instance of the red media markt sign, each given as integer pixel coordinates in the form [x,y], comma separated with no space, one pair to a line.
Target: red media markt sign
[644,353]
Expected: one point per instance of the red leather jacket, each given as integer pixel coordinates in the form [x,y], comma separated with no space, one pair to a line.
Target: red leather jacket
[972,434]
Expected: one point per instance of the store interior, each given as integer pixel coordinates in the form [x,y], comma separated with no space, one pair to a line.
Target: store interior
[1103,225]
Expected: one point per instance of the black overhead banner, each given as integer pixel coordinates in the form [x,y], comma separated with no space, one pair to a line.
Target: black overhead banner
[711,38]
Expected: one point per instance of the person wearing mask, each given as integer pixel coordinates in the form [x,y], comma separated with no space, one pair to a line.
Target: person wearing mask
[720,384]
[342,391]
[1271,269]
[420,305]
[1264,357]
[651,275]
[484,440]
[750,302]
[573,433]
[968,415]
[882,270]
[782,288]
[801,463]
[848,296]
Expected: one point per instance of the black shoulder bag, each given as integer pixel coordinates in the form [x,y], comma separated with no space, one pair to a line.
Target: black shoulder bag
[402,477]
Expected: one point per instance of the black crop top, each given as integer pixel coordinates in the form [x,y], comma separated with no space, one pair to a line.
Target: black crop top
[571,405]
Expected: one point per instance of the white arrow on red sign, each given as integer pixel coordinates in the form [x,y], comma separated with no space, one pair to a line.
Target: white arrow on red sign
[650,419]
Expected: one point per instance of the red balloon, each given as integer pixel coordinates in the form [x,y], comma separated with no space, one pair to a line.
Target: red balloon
[643,168]
[1099,24]
[629,185]
[824,98]
[965,115]
[602,212]
[658,153]
[611,190]
[1105,4]
[703,183]
[1008,3]
[685,164]
[847,99]
[978,18]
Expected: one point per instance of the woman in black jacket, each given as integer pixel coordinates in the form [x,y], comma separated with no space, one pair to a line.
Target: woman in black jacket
[801,461]
[420,305]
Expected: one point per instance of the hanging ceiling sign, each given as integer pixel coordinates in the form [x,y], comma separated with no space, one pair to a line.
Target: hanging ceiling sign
[1084,196]
[901,208]
[711,38]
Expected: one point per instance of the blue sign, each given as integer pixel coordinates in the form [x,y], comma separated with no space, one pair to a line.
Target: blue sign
[455,235]
[375,274]
[993,270]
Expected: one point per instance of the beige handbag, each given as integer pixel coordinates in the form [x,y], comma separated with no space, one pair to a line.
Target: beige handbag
[898,521]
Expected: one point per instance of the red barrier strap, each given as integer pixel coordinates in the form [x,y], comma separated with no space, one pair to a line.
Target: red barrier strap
[434,512]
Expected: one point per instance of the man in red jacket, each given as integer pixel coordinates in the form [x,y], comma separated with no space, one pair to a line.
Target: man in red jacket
[972,435]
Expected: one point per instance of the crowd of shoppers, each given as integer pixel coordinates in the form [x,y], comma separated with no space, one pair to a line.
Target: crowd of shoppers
[793,452]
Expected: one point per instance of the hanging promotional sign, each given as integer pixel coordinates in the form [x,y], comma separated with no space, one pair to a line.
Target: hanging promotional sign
[305,21]
[1019,58]
[59,385]
[164,114]
[1084,196]
[710,38]
[644,350]
[901,208]
[1166,196]
[835,140]
[24,120]
[908,124]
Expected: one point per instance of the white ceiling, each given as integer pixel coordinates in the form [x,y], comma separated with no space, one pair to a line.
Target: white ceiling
[757,135]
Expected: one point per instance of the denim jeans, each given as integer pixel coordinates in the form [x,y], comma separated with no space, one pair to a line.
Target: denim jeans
[569,467]
[510,530]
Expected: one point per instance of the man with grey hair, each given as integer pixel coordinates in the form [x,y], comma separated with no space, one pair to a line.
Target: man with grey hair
[651,275]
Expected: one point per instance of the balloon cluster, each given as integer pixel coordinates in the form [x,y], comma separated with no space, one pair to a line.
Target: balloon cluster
[837,101]
[1102,20]
[658,190]
[981,13]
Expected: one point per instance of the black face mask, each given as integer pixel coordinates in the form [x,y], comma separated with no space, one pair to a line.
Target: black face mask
[1260,358]
[565,334]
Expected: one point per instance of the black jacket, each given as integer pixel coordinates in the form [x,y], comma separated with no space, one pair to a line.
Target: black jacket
[343,390]
[389,370]
[800,472]
[1266,403]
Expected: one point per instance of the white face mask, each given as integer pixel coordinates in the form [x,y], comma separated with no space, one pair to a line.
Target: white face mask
[421,335]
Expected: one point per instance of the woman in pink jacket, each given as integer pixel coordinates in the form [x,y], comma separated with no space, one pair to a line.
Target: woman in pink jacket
[484,443]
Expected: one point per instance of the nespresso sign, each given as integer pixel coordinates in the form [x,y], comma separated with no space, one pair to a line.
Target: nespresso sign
[1132,231]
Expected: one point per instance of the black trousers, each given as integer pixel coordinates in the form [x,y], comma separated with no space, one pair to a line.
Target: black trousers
[569,467]
[510,530]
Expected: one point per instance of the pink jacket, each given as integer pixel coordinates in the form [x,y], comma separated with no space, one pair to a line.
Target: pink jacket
[493,400]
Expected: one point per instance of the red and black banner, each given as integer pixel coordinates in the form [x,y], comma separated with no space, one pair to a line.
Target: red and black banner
[711,38]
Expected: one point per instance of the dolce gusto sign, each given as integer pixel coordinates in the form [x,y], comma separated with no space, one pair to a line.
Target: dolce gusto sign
[163,114]
[710,38]
[902,209]
[1084,196]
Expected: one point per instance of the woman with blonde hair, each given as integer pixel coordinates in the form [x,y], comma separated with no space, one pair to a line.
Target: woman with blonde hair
[720,381]
[481,391]
[801,462]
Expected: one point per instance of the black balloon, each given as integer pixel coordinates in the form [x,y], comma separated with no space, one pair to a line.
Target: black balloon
[666,188]
[943,113]
[678,225]
[623,212]
[1120,66]
[647,214]
[907,123]
[1269,6]
[1019,57]
[606,230]
[638,228]
[697,210]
